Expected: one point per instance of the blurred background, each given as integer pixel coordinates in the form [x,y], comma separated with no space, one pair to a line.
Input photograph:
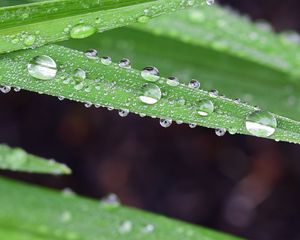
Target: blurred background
[238,184]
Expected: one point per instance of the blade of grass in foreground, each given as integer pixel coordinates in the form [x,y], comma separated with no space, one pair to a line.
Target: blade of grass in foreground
[16,159]
[36,24]
[32,213]
[97,81]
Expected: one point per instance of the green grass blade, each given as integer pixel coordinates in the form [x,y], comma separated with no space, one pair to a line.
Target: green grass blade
[228,32]
[120,88]
[43,214]
[36,24]
[16,159]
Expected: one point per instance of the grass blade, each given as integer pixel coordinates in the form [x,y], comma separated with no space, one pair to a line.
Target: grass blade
[45,214]
[120,88]
[16,159]
[36,24]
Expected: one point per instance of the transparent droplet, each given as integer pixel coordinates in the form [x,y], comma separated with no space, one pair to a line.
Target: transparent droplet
[192,125]
[173,81]
[79,74]
[143,19]
[66,216]
[150,74]
[42,67]
[82,31]
[149,228]
[210,2]
[213,93]
[5,89]
[111,201]
[106,60]
[61,98]
[150,93]
[88,104]
[125,227]
[91,53]
[205,107]
[123,112]
[17,89]
[29,40]
[261,123]
[194,84]
[165,122]
[125,63]
[220,132]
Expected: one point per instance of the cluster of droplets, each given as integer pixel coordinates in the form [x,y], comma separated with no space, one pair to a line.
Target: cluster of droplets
[258,123]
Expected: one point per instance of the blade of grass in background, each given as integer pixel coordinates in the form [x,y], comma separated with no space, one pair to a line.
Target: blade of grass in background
[36,24]
[55,215]
[16,159]
[92,81]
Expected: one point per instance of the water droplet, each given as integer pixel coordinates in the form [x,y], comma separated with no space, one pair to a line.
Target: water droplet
[42,67]
[88,104]
[210,2]
[111,201]
[123,112]
[261,123]
[149,228]
[60,98]
[66,216]
[165,122]
[5,89]
[68,192]
[205,107]
[213,93]
[125,63]
[17,89]
[106,60]
[143,19]
[79,74]
[150,74]
[125,227]
[192,125]
[194,84]
[91,53]
[150,94]
[220,132]
[82,31]
[29,40]
[173,81]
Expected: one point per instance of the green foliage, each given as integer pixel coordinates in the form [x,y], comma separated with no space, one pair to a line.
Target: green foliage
[16,159]
[31,213]
[36,24]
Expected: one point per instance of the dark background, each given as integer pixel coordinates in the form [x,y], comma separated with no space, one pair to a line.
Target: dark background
[238,184]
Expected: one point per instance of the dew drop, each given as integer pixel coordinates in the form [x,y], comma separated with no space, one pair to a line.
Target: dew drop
[42,67]
[192,125]
[82,31]
[111,201]
[261,123]
[165,122]
[61,98]
[17,89]
[205,107]
[149,228]
[213,93]
[125,63]
[29,40]
[143,19]
[210,2]
[173,81]
[66,217]
[106,60]
[220,132]
[5,89]
[150,74]
[125,227]
[123,112]
[194,84]
[79,74]
[91,53]
[150,93]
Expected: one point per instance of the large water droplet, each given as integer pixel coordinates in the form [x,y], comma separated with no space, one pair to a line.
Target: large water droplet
[106,60]
[82,31]
[165,122]
[205,107]
[91,53]
[150,74]
[125,63]
[173,81]
[151,93]
[194,84]
[42,67]
[261,123]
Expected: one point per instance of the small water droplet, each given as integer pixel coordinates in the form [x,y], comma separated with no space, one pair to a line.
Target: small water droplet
[5,89]
[125,63]
[220,132]
[150,93]
[194,84]
[173,81]
[213,93]
[29,40]
[261,123]
[192,125]
[82,31]
[106,60]
[66,216]
[143,19]
[17,89]
[150,74]
[149,228]
[79,74]
[42,67]
[125,227]
[123,112]
[91,53]
[210,2]
[205,107]
[111,201]
[165,122]
[61,98]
